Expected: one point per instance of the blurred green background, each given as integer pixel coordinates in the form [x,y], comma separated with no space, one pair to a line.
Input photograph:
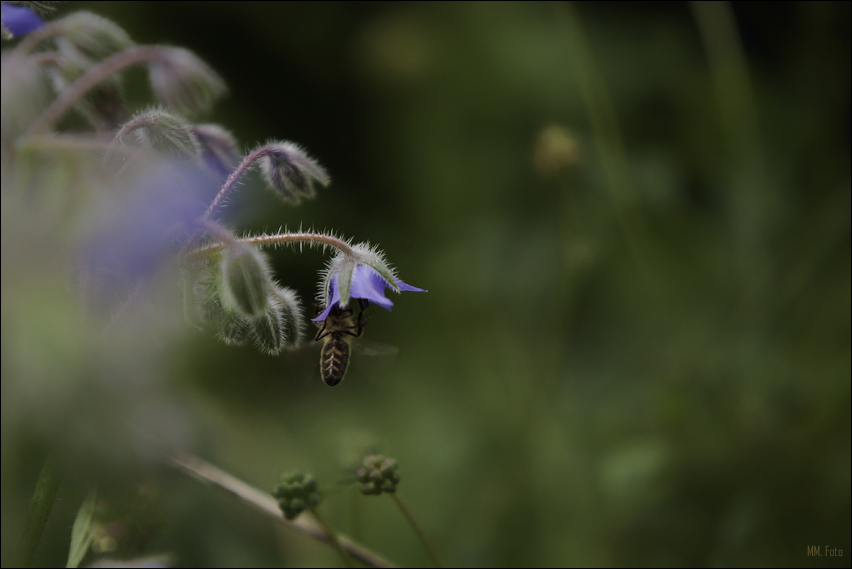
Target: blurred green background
[633,221]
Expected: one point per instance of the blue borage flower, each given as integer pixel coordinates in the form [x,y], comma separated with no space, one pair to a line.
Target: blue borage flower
[364,274]
[133,233]
[19,21]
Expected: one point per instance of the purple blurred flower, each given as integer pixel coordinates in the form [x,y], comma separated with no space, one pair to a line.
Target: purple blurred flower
[19,21]
[141,228]
[366,284]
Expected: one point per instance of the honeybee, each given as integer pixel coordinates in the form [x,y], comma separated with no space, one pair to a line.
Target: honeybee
[337,331]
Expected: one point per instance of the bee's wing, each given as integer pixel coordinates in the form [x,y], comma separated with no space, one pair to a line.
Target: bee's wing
[371,348]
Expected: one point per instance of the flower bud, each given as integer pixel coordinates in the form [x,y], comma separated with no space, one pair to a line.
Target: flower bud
[388,467]
[268,330]
[218,148]
[162,133]
[25,95]
[309,483]
[91,35]
[373,460]
[293,320]
[379,476]
[296,491]
[234,328]
[245,283]
[184,83]
[288,169]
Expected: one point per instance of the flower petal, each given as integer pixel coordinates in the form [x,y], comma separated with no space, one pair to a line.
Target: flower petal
[19,20]
[369,285]
[408,287]
[335,298]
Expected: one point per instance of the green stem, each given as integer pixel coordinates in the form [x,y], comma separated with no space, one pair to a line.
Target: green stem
[422,536]
[281,238]
[43,498]
[266,504]
[608,141]
[332,536]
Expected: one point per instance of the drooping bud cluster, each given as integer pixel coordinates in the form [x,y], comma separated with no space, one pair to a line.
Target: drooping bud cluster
[297,492]
[91,36]
[161,133]
[218,148]
[239,297]
[289,170]
[82,40]
[183,83]
[245,281]
[378,475]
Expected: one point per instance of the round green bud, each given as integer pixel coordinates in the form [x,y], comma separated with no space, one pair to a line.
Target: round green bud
[373,461]
[389,466]
[388,486]
[314,499]
[310,483]
[297,489]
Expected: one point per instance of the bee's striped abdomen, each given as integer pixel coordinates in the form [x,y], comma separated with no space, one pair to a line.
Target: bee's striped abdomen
[334,359]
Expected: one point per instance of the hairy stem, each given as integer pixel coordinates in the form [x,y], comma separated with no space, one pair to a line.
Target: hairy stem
[229,185]
[422,536]
[263,240]
[90,79]
[266,504]
[43,498]
[235,176]
[32,39]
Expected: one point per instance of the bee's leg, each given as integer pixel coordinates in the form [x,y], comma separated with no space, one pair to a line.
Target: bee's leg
[362,318]
[321,334]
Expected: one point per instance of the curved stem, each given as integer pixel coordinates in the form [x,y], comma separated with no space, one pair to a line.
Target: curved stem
[333,537]
[48,58]
[43,498]
[262,240]
[422,536]
[235,176]
[266,504]
[229,186]
[90,79]
[32,39]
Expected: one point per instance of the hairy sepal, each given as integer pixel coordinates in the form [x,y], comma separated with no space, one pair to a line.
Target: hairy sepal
[245,285]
